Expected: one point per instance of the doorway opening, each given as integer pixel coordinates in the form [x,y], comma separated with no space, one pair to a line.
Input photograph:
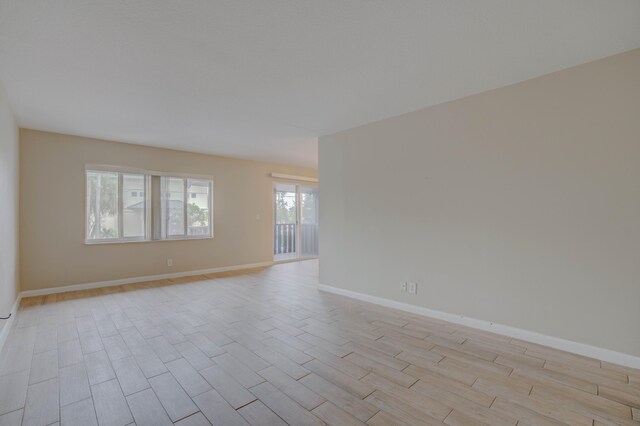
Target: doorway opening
[295,230]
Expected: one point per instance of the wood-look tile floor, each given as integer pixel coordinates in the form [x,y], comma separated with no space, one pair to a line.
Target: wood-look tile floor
[264,347]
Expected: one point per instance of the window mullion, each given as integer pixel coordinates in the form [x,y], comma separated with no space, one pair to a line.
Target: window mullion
[157,214]
[186,199]
[98,206]
[210,208]
[120,205]
[166,207]
[147,211]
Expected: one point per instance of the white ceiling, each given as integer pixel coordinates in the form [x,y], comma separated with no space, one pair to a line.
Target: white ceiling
[262,79]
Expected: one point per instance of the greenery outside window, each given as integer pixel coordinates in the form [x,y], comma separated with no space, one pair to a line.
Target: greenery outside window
[113,213]
[186,207]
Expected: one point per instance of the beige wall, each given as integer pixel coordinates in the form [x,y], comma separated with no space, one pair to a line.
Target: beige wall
[9,283]
[519,206]
[52,212]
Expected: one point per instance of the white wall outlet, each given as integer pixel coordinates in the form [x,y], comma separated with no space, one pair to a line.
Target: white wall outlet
[403,287]
[412,288]
[169,262]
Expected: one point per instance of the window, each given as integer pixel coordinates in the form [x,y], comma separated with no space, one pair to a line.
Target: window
[134,217]
[112,213]
[121,206]
[184,217]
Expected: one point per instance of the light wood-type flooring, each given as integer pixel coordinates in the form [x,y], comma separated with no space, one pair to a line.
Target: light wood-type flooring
[264,347]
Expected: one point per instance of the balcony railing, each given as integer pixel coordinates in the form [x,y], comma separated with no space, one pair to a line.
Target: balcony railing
[285,239]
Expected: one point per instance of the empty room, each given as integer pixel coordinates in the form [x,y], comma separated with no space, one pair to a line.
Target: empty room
[319,212]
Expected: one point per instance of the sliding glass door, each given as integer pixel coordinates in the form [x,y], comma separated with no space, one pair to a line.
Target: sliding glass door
[286,221]
[308,221]
[295,232]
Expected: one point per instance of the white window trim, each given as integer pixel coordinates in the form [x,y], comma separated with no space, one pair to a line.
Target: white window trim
[122,169]
[186,236]
[149,236]
[147,209]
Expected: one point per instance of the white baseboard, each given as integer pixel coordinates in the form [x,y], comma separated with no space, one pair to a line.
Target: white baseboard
[4,333]
[132,280]
[295,259]
[517,333]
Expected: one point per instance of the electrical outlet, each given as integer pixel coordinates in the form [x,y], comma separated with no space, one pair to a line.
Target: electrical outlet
[412,288]
[169,262]
[403,287]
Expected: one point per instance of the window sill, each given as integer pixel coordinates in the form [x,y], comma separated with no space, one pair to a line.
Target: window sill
[103,242]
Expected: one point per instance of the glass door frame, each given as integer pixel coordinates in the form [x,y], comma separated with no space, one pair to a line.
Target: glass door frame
[298,224]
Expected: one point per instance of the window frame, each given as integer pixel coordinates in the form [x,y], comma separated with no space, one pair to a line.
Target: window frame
[153,213]
[164,236]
